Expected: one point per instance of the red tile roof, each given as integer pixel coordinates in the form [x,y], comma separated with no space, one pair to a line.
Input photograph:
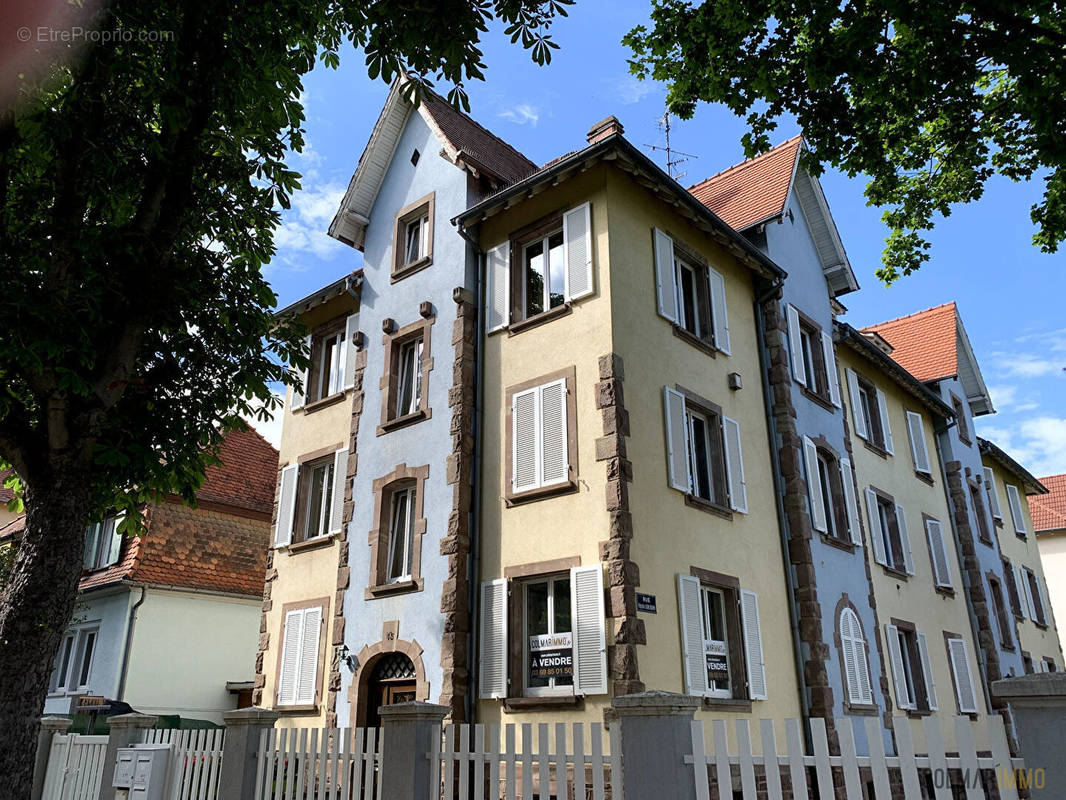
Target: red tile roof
[5,493]
[754,190]
[1049,510]
[483,148]
[247,474]
[924,343]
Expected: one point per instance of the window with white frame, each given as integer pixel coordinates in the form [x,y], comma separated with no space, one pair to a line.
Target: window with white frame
[73,665]
[888,532]
[416,236]
[1017,514]
[543,274]
[704,454]
[409,391]
[1003,619]
[319,499]
[831,493]
[332,369]
[853,654]
[103,543]
[311,499]
[919,450]
[938,553]
[993,496]
[298,673]
[691,293]
[401,534]
[1035,597]
[965,688]
[912,672]
[541,435]
[813,357]
[548,636]
[869,411]
[413,238]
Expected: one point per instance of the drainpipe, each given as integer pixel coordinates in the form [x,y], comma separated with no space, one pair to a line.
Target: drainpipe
[779,504]
[121,694]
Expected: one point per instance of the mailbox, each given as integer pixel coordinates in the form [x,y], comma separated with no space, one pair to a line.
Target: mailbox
[142,770]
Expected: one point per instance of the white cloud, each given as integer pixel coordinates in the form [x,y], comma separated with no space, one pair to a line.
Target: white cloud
[521,114]
[270,429]
[1038,443]
[630,90]
[1003,396]
[303,227]
[1026,365]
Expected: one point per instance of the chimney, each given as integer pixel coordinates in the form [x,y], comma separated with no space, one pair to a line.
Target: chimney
[604,128]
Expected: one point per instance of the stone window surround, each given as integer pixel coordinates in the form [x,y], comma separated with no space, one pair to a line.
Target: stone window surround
[305,461]
[719,478]
[322,602]
[868,386]
[393,342]
[1015,596]
[862,709]
[959,405]
[836,488]
[537,229]
[1001,612]
[920,691]
[422,207]
[948,636]
[703,292]
[511,498]
[947,591]
[821,369]
[894,535]
[517,575]
[729,585]
[976,491]
[368,656]
[401,477]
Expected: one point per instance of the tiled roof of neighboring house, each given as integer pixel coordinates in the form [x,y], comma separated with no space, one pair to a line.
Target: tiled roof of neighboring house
[480,147]
[247,475]
[1049,510]
[924,343]
[5,493]
[14,526]
[754,190]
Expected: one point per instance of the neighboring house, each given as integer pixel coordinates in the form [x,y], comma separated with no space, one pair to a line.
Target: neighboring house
[627,521]
[6,495]
[165,620]
[1049,524]
[925,625]
[1028,617]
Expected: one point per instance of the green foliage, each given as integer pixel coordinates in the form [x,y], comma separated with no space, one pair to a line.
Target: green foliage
[141,181]
[927,99]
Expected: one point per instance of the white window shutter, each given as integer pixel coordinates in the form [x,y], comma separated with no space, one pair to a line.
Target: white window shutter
[895,656]
[492,658]
[856,406]
[676,440]
[577,244]
[993,495]
[693,661]
[904,539]
[965,691]
[340,477]
[919,452]
[814,485]
[886,426]
[588,620]
[1016,514]
[749,613]
[554,460]
[665,280]
[92,543]
[849,648]
[939,554]
[852,507]
[308,669]
[300,392]
[718,311]
[795,344]
[525,439]
[734,460]
[498,287]
[927,672]
[831,373]
[290,658]
[114,545]
[349,351]
[1041,585]
[877,538]
[1022,584]
[286,505]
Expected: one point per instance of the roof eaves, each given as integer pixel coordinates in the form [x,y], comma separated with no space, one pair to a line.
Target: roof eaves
[994,452]
[350,284]
[740,245]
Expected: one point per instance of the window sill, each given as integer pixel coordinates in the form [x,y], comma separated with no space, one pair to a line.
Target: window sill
[1042,625]
[389,589]
[1021,536]
[700,344]
[310,544]
[917,713]
[965,440]
[543,493]
[818,399]
[410,269]
[946,591]
[873,448]
[924,478]
[985,540]
[706,505]
[336,397]
[545,316]
[1008,647]
[520,704]
[997,521]
[863,710]
[892,572]
[311,709]
[405,420]
[840,544]
[737,705]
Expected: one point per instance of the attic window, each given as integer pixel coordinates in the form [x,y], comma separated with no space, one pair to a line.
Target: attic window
[415,156]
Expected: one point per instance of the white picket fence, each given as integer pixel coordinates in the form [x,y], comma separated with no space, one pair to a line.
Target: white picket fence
[544,766]
[318,764]
[916,773]
[75,765]
[194,764]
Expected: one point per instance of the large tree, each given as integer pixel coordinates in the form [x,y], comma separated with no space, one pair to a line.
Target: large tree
[141,178]
[927,99]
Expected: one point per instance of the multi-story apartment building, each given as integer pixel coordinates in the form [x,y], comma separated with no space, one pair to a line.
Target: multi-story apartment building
[926,628]
[1049,523]
[629,535]
[1025,622]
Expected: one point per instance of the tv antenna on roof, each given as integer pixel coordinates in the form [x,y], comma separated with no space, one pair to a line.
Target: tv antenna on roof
[672,159]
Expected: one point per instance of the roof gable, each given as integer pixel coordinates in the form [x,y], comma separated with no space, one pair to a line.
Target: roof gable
[758,190]
[1049,510]
[464,142]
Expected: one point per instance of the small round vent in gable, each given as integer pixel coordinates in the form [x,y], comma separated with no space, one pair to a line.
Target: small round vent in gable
[414,157]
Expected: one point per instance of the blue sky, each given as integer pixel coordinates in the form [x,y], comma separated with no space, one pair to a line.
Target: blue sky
[1010,294]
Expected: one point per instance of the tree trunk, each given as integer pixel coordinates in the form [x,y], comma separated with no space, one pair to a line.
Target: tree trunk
[35,609]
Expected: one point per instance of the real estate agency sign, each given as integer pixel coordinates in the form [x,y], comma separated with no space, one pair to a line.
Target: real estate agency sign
[551,655]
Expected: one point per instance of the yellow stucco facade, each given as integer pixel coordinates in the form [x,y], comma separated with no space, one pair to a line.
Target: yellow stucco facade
[669,536]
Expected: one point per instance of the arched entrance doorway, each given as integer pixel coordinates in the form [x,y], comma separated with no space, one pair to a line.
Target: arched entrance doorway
[392,680]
